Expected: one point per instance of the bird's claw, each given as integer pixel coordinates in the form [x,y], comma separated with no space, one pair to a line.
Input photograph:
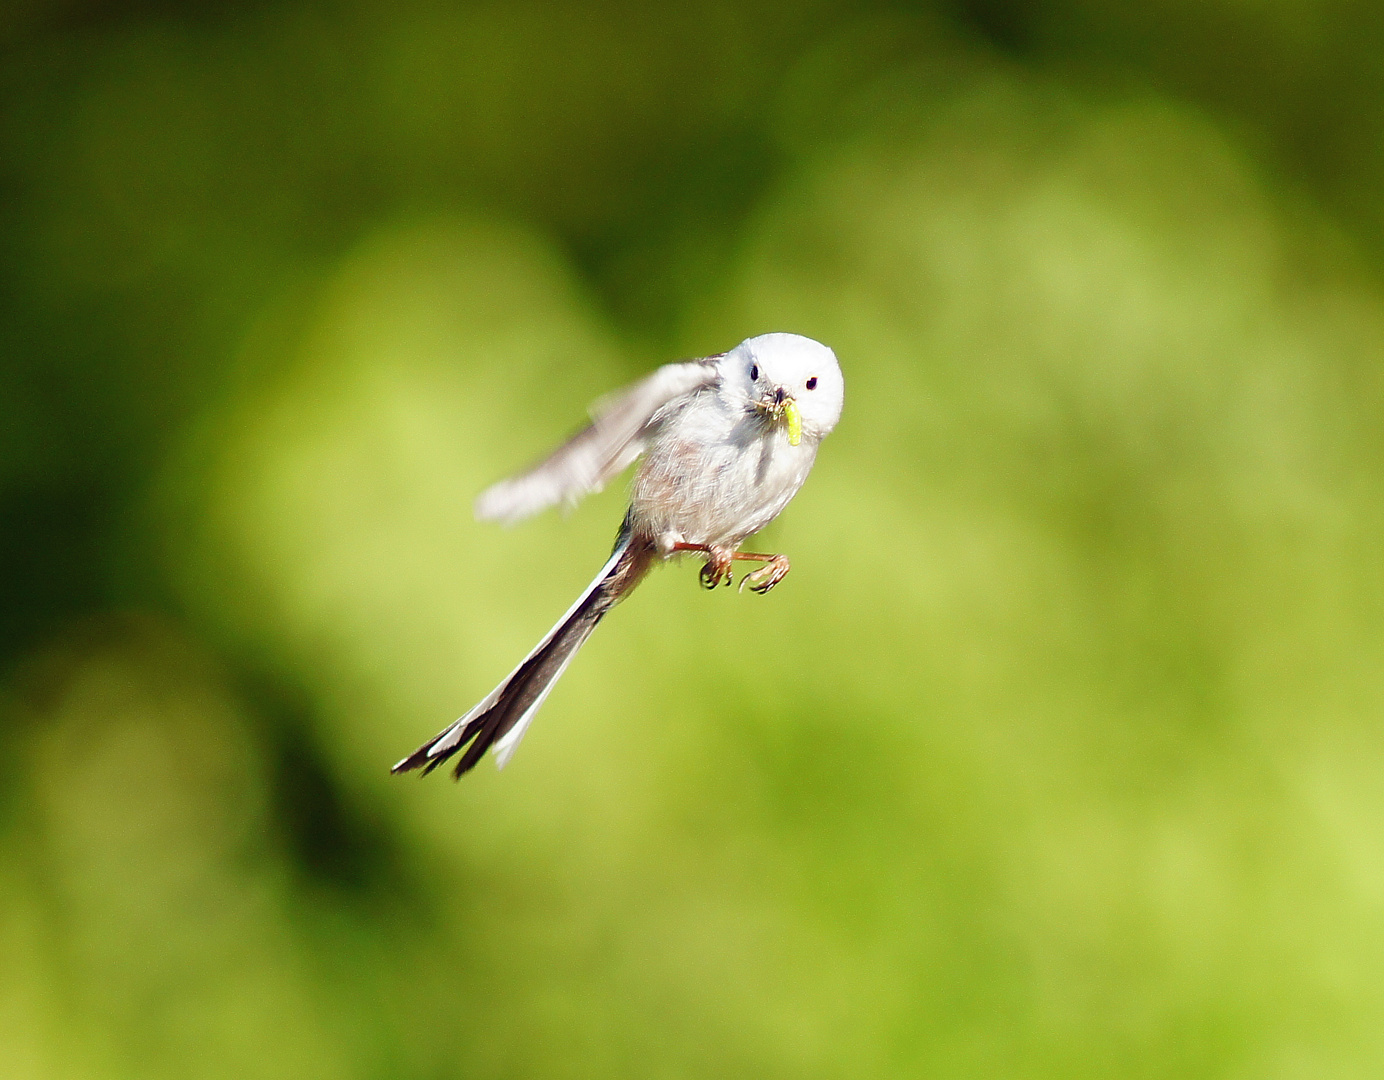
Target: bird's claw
[715,572]
[767,576]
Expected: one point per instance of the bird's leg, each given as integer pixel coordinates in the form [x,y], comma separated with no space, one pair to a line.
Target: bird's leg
[716,570]
[774,570]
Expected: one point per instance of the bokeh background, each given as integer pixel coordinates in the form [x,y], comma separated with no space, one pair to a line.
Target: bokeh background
[1058,755]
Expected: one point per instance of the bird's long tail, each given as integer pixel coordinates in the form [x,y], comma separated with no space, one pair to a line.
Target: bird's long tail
[499,721]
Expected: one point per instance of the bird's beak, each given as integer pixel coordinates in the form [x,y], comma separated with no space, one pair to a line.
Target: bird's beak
[780,405]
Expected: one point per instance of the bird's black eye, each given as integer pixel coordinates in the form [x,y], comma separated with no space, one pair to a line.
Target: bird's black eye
[812,383]
[754,373]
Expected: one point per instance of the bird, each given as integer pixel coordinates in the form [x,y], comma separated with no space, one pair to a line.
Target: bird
[726,440]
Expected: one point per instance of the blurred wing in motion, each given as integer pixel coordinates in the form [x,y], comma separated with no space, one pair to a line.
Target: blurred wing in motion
[617,434]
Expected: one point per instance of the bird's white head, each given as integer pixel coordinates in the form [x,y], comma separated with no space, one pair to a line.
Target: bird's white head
[788,376]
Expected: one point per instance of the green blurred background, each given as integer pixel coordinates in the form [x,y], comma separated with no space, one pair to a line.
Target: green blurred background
[1059,754]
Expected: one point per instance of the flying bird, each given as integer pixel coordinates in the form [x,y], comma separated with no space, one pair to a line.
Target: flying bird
[726,442]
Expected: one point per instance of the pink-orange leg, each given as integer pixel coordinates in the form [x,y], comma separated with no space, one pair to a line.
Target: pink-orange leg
[716,570]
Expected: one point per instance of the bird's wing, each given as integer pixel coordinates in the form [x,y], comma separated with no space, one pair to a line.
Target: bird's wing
[617,434]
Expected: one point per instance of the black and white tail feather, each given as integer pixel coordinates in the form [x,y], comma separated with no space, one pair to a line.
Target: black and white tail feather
[499,721]
[619,432]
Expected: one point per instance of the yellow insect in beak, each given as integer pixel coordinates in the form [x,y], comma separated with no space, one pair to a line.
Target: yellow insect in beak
[795,422]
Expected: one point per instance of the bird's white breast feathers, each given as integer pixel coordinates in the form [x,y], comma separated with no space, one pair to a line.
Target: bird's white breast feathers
[716,474]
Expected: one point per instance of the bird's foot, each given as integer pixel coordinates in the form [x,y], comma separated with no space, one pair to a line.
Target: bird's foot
[716,570]
[774,570]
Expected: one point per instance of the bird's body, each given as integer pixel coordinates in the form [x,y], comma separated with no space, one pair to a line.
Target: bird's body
[715,476]
[726,443]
